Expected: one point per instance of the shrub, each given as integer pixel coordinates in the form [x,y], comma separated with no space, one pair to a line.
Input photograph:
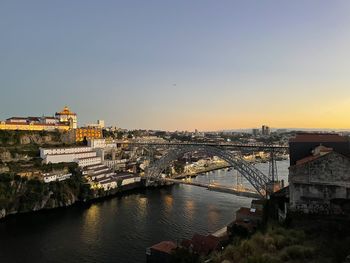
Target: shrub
[297,252]
[262,259]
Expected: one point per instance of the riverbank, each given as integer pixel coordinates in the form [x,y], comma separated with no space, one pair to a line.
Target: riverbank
[19,195]
[210,168]
[118,228]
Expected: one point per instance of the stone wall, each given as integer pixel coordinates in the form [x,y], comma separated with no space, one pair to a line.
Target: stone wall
[315,184]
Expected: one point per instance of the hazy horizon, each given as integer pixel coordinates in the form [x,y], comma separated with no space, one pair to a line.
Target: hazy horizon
[181,65]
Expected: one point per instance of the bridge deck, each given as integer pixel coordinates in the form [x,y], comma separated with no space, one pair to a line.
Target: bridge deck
[218,188]
[223,144]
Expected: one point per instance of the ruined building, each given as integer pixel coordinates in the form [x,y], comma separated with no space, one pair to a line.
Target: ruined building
[319,175]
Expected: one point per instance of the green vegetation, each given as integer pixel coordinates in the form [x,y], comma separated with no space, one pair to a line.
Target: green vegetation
[276,245]
[179,167]
[10,138]
[314,240]
[36,165]
[19,194]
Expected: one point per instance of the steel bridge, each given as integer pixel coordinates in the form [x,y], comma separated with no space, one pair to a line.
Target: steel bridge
[222,150]
[217,188]
[227,145]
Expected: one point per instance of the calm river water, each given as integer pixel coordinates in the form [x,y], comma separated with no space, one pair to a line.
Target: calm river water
[119,229]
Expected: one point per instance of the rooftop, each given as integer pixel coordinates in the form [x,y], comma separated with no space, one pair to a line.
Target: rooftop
[319,137]
[312,158]
[202,244]
[164,246]
[308,159]
[35,124]
[65,111]
[249,211]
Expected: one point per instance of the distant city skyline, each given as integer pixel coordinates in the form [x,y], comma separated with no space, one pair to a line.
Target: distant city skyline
[181,65]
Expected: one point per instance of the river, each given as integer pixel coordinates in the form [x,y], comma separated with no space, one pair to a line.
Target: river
[119,229]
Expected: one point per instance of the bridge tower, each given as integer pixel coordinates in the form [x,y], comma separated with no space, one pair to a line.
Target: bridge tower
[274,184]
[273,175]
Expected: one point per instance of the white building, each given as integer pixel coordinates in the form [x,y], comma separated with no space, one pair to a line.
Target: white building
[55,177]
[128,178]
[83,156]
[49,120]
[101,143]
[69,158]
[115,164]
[67,150]
[67,116]
[107,183]
[82,162]
[100,124]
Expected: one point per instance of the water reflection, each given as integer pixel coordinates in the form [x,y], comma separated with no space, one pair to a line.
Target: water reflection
[189,209]
[142,207]
[91,225]
[213,215]
[119,229]
[168,201]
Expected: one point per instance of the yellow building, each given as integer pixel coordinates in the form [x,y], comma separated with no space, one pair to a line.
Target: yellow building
[4,125]
[64,121]
[88,133]
[67,116]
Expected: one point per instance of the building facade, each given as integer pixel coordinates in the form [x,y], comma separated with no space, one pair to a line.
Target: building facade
[63,121]
[67,116]
[303,143]
[64,150]
[4,125]
[87,133]
[49,177]
[265,130]
[83,156]
[320,181]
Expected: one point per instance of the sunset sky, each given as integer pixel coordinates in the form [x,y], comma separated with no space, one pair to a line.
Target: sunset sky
[178,65]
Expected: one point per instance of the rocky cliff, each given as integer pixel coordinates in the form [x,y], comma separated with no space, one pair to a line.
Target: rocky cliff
[20,195]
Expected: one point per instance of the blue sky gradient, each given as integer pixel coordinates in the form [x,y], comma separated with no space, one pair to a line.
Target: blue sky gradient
[178,64]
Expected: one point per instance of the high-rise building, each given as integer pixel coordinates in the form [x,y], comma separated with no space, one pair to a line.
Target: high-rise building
[255,132]
[101,123]
[265,130]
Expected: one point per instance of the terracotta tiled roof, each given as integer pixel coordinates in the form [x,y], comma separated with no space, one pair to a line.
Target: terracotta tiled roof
[65,111]
[17,118]
[312,158]
[164,246]
[250,226]
[249,211]
[204,244]
[309,159]
[34,124]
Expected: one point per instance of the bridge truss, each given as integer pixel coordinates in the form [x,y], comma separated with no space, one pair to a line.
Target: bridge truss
[254,176]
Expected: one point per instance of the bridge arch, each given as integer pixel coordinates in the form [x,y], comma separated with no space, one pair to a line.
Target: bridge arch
[254,176]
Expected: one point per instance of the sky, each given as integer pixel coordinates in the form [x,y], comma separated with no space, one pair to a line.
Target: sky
[178,65]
